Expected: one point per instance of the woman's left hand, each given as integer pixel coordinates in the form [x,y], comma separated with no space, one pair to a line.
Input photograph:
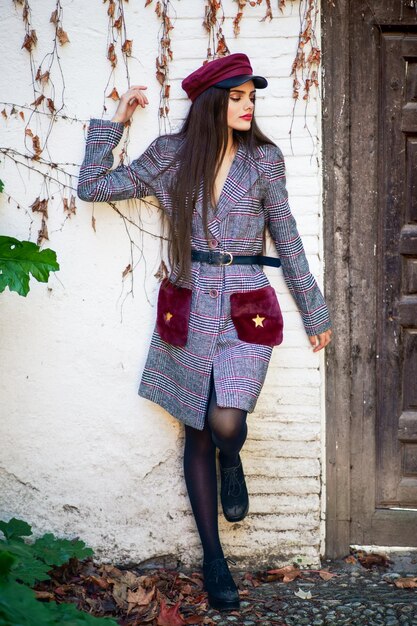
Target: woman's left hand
[320,341]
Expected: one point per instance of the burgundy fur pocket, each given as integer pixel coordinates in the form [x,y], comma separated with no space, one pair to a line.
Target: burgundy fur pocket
[174,305]
[257,316]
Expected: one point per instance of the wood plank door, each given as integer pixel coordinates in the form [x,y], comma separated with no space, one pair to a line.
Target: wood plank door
[372,235]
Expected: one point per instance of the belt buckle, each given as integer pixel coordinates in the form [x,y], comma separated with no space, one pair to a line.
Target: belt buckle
[230,261]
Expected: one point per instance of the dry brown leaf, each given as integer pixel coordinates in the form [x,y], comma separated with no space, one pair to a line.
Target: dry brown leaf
[22,115]
[186,589]
[140,597]
[111,55]
[374,559]
[38,100]
[112,570]
[54,17]
[129,578]
[40,206]
[36,146]
[126,271]
[118,23]
[406,583]
[103,583]
[325,575]
[127,47]
[350,559]
[28,132]
[120,594]
[93,223]
[44,595]
[111,8]
[50,105]
[69,207]
[62,36]
[30,40]
[288,572]
[148,2]
[114,94]
[42,78]
[162,272]
[4,114]
[42,232]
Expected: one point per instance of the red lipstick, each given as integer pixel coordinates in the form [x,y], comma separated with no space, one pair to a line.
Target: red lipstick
[246,117]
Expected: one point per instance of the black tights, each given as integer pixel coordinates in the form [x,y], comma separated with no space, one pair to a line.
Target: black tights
[225,429]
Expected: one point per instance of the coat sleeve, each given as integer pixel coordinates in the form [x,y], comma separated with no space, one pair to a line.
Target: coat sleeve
[283,229]
[99,183]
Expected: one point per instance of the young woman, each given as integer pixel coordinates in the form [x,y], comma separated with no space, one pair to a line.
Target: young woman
[221,184]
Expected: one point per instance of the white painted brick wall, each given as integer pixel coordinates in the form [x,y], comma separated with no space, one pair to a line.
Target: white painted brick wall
[81,454]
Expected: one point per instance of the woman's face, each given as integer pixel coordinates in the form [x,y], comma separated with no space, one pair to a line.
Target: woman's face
[241,106]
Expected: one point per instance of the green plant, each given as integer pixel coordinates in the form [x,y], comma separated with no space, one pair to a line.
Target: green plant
[19,259]
[23,564]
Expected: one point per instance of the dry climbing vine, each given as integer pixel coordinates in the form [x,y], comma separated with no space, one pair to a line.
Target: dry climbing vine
[165,55]
[48,84]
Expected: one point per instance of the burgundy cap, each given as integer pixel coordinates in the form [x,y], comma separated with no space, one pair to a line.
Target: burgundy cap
[225,72]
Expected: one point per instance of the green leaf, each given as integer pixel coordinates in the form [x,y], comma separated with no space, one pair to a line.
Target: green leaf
[55,551]
[1,186]
[6,562]
[15,528]
[18,606]
[19,259]
[27,567]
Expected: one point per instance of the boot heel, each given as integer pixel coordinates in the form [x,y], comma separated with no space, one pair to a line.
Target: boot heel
[221,589]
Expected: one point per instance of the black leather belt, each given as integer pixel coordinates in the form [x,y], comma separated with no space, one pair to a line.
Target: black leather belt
[227,258]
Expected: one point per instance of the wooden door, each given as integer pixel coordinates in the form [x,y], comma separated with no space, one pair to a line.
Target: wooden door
[371,234]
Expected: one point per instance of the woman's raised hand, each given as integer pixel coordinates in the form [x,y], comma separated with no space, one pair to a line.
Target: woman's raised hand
[128,103]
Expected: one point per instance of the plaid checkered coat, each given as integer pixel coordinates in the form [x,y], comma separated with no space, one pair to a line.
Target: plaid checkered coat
[253,198]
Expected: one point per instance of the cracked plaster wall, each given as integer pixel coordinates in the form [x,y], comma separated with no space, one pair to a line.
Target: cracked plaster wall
[81,453]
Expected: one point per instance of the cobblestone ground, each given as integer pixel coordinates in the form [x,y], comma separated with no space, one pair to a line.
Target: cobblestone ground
[355,597]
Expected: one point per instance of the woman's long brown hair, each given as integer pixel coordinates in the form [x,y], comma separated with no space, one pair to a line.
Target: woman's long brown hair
[204,136]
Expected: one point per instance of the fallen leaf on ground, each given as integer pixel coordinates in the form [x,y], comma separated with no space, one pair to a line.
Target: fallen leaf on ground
[350,559]
[406,583]
[374,559]
[287,573]
[170,615]
[140,597]
[120,594]
[325,575]
[305,595]
[44,595]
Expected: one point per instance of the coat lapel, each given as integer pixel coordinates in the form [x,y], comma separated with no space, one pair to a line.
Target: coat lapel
[243,174]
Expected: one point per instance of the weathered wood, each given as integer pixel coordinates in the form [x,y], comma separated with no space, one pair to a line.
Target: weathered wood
[363,276]
[335,26]
[370,200]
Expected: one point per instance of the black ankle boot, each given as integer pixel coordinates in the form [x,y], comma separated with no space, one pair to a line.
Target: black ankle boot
[220,586]
[234,494]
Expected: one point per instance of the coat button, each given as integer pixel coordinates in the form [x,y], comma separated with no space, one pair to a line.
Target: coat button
[213,243]
[213,293]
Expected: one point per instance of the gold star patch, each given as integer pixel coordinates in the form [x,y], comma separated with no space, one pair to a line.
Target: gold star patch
[258,320]
[168,316]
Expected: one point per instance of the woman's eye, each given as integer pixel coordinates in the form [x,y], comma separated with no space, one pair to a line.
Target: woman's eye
[235,99]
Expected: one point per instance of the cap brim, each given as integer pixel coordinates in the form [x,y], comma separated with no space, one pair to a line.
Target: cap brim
[259,81]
